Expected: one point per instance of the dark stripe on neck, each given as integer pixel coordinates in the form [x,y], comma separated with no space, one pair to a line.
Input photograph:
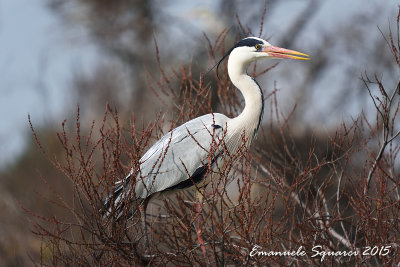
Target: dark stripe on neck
[262,109]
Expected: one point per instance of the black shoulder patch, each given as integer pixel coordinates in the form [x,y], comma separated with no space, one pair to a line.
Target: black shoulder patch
[196,178]
[216,126]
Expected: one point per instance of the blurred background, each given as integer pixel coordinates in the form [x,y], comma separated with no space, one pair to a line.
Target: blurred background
[57,54]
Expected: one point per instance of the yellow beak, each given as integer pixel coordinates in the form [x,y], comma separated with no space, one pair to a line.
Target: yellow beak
[277,52]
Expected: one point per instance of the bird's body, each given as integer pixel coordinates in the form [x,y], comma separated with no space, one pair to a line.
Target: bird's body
[183,157]
[183,154]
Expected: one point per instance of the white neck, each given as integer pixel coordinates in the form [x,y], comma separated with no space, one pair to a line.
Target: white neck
[248,121]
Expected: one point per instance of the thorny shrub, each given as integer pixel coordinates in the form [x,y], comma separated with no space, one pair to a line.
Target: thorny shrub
[342,201]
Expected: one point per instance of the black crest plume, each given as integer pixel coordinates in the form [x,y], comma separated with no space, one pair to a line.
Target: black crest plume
[244,42]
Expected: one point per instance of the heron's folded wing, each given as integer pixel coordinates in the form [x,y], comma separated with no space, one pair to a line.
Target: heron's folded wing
[179,154]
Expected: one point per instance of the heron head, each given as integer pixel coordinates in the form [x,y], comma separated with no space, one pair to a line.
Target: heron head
[251,49]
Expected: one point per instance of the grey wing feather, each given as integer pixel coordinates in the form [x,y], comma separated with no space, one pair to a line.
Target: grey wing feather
[177,154]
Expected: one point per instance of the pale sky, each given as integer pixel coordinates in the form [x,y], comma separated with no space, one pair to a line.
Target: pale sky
[36,62]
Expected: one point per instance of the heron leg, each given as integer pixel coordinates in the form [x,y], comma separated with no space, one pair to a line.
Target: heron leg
[199,222]
[142,209]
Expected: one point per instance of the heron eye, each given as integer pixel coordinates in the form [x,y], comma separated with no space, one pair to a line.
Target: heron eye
[257,46]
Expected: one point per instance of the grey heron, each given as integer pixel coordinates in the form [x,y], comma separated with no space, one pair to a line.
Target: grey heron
[180,159]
